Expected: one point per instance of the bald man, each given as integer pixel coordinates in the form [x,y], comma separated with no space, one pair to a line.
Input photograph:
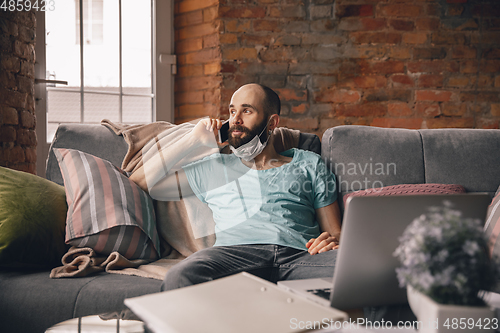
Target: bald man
[276,214]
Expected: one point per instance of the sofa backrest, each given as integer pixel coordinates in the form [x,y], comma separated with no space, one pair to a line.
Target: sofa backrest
[364,157]
[102,142]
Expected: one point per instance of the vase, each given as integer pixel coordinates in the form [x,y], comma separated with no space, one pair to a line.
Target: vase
[433,317]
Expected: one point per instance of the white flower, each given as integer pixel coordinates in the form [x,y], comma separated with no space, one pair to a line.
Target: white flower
[436,233]
[470,247]
[460,281]
[442,255]
[445,277]
[447,204]
[426,280]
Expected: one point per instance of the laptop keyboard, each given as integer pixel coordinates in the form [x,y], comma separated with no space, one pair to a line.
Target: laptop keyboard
[323,293]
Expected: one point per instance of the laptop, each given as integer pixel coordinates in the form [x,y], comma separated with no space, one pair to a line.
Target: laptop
[365,268]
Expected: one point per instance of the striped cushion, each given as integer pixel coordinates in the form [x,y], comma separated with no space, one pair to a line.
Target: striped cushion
[492,225]
[106,211]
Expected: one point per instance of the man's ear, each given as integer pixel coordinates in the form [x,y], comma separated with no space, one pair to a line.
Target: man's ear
[274,121]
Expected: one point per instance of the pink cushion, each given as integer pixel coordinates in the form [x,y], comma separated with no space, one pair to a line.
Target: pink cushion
[408,189]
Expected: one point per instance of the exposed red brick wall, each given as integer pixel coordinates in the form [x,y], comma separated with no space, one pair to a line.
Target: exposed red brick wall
[17,94]
[197,84]
[391,63]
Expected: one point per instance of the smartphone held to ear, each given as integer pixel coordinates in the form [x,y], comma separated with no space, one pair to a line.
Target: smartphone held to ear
[223,135]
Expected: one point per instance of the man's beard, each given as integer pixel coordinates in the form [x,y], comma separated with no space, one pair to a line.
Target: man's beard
[248,135]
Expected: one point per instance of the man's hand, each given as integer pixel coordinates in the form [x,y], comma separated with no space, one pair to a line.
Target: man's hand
[205,132]
[325,242]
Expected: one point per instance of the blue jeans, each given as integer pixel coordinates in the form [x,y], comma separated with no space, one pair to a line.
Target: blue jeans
[270,262]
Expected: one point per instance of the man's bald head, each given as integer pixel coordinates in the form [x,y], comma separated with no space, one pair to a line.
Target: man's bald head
[270,99]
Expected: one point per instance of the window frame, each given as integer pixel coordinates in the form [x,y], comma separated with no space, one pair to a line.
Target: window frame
[89,22]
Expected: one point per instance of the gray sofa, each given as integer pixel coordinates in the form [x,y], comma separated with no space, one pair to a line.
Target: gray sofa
[31,302]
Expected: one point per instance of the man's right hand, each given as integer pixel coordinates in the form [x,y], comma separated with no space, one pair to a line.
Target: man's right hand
[205,132]
[324,242]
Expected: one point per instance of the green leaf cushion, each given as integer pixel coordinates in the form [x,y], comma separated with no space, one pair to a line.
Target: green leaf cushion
[32,220]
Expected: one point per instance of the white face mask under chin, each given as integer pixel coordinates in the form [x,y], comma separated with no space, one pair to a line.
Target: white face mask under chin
[251,149]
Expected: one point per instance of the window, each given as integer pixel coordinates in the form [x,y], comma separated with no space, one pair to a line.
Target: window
[110,76]
[113,75]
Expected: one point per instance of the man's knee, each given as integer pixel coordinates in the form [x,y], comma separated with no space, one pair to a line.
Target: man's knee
[174,278]
[186,273]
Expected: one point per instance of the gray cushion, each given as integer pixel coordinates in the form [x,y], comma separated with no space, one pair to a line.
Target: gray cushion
[470,157]
[96,140]
[365,157]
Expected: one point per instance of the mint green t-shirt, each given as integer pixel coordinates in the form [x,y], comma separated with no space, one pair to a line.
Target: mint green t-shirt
[273,206]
